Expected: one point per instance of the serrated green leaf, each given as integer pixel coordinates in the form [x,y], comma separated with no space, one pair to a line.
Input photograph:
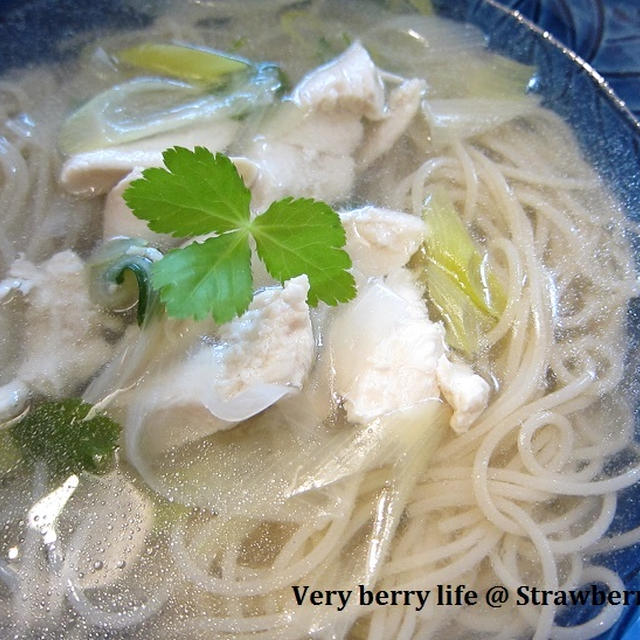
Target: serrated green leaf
[213,277]
[202,193]
[59,434]
[306,236]
[197,193]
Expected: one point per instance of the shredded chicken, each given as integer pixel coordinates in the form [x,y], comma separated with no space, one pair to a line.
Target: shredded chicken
[379,240]
[64,331]
[259,358]
[118,220]
[404,103]
[95,172]
[388,355]
[271,342]
[350,82]
[307,149]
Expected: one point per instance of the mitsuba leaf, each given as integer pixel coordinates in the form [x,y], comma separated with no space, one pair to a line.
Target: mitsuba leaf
[208,278]
[305,236]
[201,193]
[198,193]
[59,434]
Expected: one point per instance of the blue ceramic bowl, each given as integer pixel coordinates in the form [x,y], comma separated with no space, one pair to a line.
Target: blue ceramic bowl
[565,39]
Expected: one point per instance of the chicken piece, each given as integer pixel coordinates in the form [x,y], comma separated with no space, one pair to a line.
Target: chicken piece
[271,342]
[118,220]
[96,172]
[337,133]
[350,82]
[259,358]
[465,391]
[380,241]
[307,148]
[304,154]
[386,354]
[64,340]
[301,172]
[404,102]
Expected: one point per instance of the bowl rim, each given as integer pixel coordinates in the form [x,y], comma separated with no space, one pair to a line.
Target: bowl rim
[601,84]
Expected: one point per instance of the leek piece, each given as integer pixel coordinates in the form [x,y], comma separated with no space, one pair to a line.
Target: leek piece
[129,111]
[455,118]
[451,247]
[119,276]
[386,440]
[451,57]
[191,64]
[460,282]
[464,323]
[144,107]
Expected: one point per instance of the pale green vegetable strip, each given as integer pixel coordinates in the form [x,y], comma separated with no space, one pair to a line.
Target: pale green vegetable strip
[461,286]
[186,63]
[495,76]
[451,57]
[454,118]
[388,439]
[464,323]
[143,107]
[450,246]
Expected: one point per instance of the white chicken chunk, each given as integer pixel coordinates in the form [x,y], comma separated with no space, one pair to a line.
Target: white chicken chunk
[379,240]
[404,103]
[392,362]
[95,172]
[64,340]
[118,220]
[271,342]
[258,358]
[351,82]
[467,392]
[307,148]
[304,154]
[384,352]
[301,172]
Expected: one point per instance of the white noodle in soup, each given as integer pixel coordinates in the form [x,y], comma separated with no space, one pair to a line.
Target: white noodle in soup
[378,445]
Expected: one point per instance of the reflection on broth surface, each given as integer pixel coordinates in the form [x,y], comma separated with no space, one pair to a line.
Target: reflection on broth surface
[457,418]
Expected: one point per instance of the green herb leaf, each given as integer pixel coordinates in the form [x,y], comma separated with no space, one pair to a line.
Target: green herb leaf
[305,236]
[10,452]
[198,193]
[58,433]
[203,193]
[213,277]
